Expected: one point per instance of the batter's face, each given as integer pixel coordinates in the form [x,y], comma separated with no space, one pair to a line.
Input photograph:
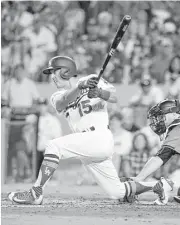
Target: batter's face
[59,78]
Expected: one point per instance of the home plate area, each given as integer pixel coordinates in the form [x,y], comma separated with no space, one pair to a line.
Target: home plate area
[76,205]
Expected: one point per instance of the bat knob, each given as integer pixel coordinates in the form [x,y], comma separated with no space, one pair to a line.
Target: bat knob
[127,18]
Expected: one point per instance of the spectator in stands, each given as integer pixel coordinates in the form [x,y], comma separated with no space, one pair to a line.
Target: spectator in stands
[42,42]
[104,24]
[174,66]
[21,152]
[137,55]
[5,111]
[148,94]
[20,91]
[25,148]
[160,61]
[128,121]
[138,156]
[29,132]
[153,139]
[23,161]
[122,140]
[161,41]
[48,129]
[95,47]
[173,77]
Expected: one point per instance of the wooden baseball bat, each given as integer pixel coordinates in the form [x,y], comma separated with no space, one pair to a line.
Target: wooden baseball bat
[119,34]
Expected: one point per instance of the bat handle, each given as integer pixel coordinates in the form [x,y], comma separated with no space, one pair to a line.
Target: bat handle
[100,73]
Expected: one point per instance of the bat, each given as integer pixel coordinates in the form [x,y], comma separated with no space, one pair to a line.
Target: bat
[117,39]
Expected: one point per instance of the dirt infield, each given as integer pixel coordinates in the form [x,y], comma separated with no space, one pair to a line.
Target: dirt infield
[86,205]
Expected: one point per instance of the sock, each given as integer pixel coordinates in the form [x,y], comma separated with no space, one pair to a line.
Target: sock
[136,188]
[37,190]
[48,166]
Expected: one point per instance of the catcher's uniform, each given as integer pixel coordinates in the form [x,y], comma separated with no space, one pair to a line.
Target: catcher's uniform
[91,140]
[171,143]
[173,136]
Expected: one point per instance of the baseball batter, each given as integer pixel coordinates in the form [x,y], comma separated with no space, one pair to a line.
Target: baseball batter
[84,105]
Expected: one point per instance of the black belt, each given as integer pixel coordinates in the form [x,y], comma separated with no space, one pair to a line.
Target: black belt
[92,129]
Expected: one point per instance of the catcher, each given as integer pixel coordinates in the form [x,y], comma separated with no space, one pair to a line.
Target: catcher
[164,120]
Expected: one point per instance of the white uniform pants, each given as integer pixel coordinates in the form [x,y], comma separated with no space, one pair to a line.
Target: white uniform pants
[94,149]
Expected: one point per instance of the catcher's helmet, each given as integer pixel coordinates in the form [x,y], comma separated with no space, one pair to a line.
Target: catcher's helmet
[58,62]
[157,113]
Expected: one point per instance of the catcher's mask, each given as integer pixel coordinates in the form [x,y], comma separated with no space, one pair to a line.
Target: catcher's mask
[59,62]
[156,114]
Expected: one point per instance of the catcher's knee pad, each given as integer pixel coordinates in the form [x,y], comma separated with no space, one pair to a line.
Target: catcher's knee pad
[51,148]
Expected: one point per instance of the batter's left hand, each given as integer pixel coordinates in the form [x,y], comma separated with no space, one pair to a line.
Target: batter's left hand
[94,92]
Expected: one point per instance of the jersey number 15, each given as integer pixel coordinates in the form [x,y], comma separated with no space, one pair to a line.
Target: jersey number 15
[84,107]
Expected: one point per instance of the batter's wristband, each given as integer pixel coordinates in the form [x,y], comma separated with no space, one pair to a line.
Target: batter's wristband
[105,95]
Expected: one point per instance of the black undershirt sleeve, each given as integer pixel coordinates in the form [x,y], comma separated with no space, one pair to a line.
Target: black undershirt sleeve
[165,153]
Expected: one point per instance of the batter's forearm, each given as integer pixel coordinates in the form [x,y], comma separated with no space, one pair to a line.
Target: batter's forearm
[67,98]
[150,167]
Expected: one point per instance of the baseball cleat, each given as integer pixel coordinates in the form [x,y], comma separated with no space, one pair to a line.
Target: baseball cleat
[162,189]
[26,197]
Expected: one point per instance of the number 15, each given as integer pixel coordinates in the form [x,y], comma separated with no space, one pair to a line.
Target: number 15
[84,107]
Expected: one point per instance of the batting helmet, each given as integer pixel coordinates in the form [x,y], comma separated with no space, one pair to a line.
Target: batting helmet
[58,62]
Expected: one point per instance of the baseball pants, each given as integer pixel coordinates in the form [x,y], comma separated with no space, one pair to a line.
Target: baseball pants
[94,149]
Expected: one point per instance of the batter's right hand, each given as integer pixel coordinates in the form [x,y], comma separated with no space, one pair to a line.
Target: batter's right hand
[90,83]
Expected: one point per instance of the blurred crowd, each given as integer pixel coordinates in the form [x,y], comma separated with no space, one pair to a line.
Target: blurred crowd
[32,32]
[149,55]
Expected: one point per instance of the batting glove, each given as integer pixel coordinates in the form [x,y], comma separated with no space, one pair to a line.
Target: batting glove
[90,83]
[99,93]
[94,92]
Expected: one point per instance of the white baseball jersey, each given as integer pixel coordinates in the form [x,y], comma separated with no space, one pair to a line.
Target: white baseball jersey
[84,112]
